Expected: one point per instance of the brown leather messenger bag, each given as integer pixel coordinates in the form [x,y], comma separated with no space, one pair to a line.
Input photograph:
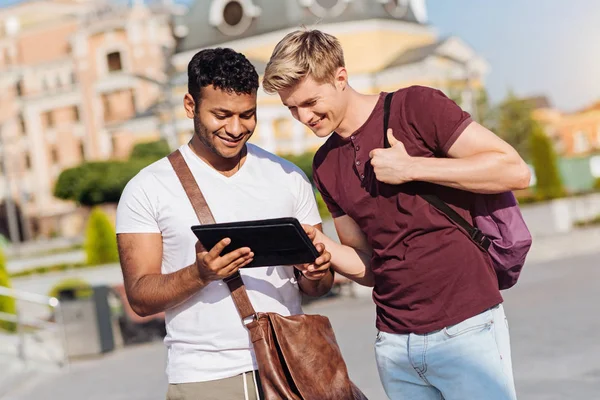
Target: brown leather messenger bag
[298,356]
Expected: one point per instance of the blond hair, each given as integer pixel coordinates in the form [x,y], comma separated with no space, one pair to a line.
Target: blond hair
[301,53]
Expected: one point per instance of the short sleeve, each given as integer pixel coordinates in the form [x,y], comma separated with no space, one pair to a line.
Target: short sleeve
[438,120]
[135,211]
[305,209]
[332,206]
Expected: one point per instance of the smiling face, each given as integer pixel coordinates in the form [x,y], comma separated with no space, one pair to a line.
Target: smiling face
[223,120]
[320,106]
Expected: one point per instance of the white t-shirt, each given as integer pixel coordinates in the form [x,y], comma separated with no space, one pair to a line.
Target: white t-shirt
[206,338]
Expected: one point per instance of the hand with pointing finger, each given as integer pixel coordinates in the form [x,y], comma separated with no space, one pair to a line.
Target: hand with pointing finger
[392,165]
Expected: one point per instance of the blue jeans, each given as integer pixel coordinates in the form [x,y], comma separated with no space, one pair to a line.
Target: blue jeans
[467,361]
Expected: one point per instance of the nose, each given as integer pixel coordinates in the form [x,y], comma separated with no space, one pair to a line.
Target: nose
[304,115]
[235,128]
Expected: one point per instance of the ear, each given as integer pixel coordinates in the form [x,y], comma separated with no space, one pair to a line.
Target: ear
[190,105]
[341,78]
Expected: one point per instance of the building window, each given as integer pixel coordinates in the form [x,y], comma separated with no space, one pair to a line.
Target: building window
[27,162]
[113,143]
[283,128]
[232,17]
[49,119]
[580,143]
[73,78]
[22,124]
[114,61]
[132,99]
[106,106]
[75,111]
[54,155]
[19,88]
[82,150]
[233,13]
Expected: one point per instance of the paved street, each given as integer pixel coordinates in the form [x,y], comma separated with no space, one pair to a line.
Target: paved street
[552,313]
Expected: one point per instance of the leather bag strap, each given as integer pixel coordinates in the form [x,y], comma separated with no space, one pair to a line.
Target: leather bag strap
[205,217]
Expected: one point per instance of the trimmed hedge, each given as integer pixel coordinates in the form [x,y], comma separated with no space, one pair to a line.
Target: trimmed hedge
[7,304]
[101,239]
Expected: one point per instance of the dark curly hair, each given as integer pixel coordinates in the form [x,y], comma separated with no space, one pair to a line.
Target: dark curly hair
[223,68]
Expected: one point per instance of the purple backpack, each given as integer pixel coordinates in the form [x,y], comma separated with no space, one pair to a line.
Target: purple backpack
[498,228]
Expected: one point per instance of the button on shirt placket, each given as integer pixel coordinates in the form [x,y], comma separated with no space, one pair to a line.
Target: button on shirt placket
[358,164]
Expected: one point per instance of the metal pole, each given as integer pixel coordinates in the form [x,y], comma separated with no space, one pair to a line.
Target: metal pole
[63,332]
[11,211]
[21,334]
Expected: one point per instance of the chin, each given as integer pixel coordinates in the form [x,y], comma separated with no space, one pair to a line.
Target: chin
[229,152]
[322,132]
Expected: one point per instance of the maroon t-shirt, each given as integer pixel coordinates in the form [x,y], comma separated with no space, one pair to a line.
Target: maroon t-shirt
[428,274]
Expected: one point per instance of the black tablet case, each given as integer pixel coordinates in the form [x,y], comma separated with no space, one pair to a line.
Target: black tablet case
[276,241]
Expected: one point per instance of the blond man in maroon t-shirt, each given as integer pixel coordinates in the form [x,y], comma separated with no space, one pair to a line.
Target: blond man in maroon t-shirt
[441,326]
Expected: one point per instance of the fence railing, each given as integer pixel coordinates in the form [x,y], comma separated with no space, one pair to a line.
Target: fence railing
[46,329]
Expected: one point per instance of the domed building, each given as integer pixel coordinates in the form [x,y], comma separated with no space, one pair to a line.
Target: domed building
[388,44]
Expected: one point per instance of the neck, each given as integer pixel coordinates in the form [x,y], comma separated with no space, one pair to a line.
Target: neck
[225,166]
[359,108]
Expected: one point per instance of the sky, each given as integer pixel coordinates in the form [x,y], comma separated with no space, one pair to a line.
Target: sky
[534,47]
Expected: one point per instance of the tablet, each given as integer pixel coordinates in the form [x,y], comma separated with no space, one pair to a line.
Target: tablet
[277,241]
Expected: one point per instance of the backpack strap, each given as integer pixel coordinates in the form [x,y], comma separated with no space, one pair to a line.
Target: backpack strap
[474,233]
[205,216]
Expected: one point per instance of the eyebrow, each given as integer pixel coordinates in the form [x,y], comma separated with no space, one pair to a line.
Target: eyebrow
[226,111]
[307,101]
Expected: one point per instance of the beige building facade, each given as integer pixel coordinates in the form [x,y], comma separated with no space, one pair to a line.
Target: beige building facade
[388,44]
[71,73]
[84,81]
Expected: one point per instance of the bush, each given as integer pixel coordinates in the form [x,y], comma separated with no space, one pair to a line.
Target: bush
[81,288]
[101,239]
[7,304]
[151,150]
[549,183]
[323,210]
[96,183]
[303,161]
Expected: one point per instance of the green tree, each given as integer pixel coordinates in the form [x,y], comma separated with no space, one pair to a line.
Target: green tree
[7,304]
[543,157]
[515,124]
[101,239]
[485,112]
[101,182]
[95,183]
[150,150]
[303,161]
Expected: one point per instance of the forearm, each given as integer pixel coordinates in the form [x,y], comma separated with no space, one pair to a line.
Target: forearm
[154,293]
[481,173]
[349,262]
[316,288]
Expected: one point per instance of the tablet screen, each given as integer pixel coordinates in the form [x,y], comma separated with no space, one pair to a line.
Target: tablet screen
[279,241]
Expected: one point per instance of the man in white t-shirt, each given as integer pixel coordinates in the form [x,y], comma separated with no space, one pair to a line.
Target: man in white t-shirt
[209,350]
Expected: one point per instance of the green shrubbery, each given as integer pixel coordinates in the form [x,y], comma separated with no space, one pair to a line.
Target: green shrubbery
[7,304]
[101,239]
[543,157]
[81,288]
[94,183]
